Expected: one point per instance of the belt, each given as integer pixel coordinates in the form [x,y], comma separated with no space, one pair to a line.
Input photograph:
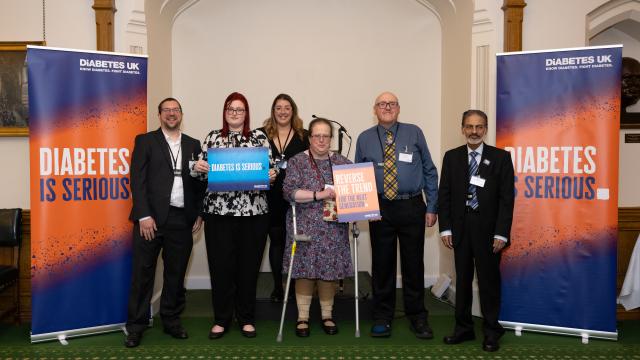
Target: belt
[401,196]
[469,209]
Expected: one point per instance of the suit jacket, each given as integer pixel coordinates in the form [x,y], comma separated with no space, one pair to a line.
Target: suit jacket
[495,199]
[152,177]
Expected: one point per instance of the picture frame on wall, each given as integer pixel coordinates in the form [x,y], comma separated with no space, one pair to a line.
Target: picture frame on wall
[14,97]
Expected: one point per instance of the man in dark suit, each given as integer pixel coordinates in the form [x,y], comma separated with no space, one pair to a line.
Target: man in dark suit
[476,199]
[166,206]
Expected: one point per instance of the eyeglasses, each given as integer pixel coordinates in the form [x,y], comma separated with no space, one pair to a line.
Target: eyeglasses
[238,111]
[171,110]
[477,127]
[384,104]
[321,137]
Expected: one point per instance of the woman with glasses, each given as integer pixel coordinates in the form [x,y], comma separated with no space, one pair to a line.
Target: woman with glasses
[287,137]
[236,224]
[324,259]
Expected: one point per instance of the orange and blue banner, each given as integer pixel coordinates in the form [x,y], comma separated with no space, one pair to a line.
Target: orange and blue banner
[356,192]
[558,114]
[85,110]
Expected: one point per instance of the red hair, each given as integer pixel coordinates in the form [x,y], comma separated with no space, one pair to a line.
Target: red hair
[246,127]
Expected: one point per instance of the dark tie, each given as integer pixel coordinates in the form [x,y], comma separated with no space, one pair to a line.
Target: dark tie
[390,171]
[473,170]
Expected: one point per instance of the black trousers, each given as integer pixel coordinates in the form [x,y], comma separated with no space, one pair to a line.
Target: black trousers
[175,240]
[277,237]
[234,252]
[402,221]
[476,248]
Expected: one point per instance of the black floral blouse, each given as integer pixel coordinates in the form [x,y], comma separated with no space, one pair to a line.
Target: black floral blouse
[234,203]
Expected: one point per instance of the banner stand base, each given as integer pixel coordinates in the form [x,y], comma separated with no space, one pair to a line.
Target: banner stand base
[584,334]
[62,336]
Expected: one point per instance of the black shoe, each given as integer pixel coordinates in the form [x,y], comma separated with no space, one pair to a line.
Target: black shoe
[248,333]
[303,332]
[277,295]
[490,344]
[177,332]
[216,335]
[133,339]
[329,329]
[459,337]
[421,329]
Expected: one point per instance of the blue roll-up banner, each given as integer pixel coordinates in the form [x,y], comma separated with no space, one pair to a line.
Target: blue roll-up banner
[85,110]
[558,114]
[242,168]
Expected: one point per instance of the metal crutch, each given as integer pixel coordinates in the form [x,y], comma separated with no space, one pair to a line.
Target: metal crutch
[296,237]
[356,232]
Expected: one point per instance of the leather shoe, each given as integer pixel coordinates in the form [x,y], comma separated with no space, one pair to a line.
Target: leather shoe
[133,339]
[457,338]
[304,331]
[248,333]
[329,329]
[177,332]
[421,329]
[216,335]
[490,344]
[381,329]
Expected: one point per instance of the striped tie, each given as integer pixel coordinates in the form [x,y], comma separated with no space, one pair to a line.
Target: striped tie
[473,170]
[390,170]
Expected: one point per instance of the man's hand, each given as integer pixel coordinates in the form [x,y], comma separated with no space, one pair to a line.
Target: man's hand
[197,225]
[446,240]
[498,245]
[431,219]
[148,228]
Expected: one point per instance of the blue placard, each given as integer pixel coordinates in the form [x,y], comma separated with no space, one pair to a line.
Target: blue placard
[244,168]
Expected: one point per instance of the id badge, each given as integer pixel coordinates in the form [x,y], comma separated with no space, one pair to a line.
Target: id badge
[328,186]
[281,163]
[477,181]
[405,157]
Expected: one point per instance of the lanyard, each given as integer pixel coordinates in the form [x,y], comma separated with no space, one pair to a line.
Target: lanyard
[392,141]
[280,147]
[314,165]
[176,171]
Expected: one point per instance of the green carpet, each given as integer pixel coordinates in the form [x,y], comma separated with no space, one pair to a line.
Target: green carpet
[14,340]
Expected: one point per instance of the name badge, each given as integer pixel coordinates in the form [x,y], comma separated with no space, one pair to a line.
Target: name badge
[328,186]
[281,163]
[477,181]
[406,157]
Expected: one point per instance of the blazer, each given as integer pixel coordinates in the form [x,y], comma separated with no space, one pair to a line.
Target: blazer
[495,199]
[152,177]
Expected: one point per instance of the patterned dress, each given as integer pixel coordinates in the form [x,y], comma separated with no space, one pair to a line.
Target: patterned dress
[327,256]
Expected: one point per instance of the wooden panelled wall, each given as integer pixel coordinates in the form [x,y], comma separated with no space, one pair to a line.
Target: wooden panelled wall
[629,227]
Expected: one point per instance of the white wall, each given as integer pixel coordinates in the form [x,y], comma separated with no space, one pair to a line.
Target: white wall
[333,57]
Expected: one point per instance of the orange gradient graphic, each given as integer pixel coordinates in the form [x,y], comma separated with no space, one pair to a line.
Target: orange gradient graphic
[69,235]
[583,222]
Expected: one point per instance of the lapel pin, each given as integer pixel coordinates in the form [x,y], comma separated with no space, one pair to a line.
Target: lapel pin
[486,162]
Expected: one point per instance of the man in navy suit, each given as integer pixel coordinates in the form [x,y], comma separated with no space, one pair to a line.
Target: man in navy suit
[166,206]
[475,202]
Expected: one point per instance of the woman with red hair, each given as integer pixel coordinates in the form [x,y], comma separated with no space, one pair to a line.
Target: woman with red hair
[236,225]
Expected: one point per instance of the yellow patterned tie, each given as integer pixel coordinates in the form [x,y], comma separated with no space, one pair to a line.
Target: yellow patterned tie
[390,170]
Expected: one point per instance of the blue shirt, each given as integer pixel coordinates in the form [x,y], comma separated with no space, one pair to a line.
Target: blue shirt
[414,176]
